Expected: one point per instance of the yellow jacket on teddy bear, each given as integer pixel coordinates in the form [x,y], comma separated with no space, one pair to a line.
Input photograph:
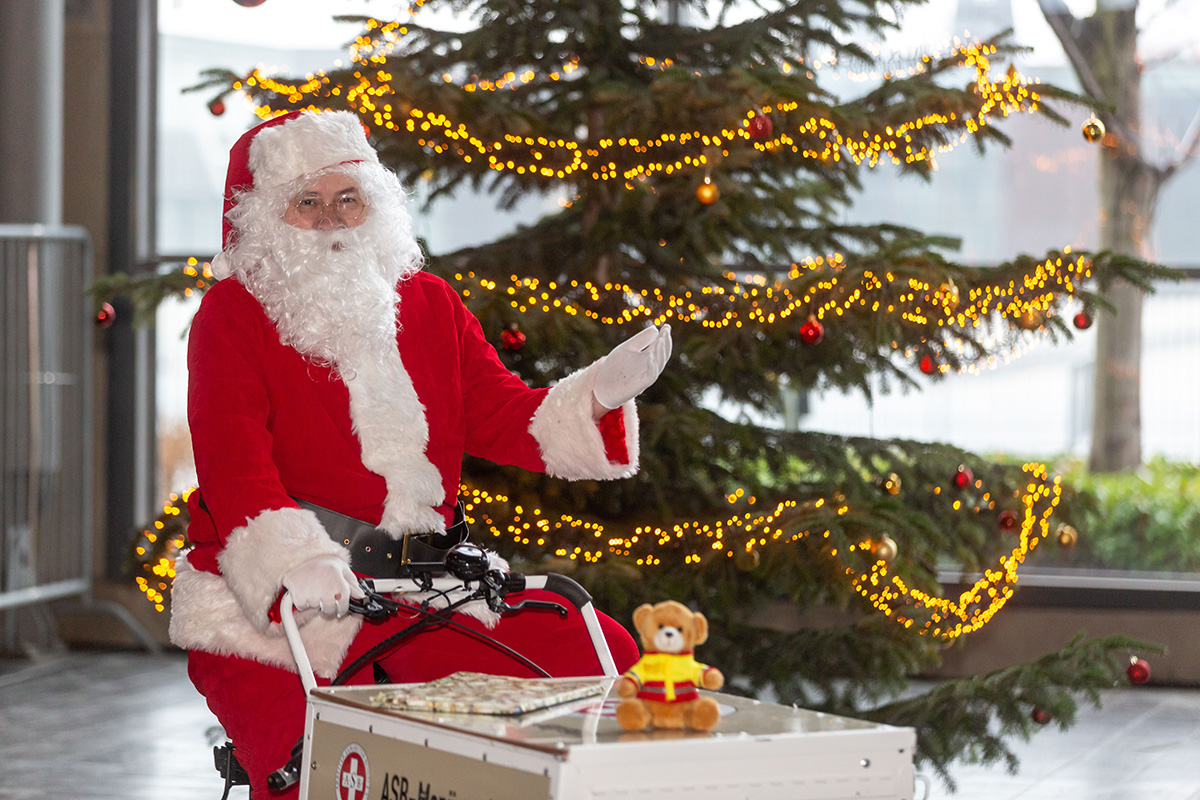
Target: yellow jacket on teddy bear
[662,689]
[668,677]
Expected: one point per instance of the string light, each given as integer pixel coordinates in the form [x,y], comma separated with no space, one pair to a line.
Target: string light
[917,65]
[381,38]
[749,301]
[630,159]
[577,539]
[201,273]
[158,574]
[972,609]
[1012,94]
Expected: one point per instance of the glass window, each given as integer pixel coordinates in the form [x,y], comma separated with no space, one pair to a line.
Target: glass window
[1039,195]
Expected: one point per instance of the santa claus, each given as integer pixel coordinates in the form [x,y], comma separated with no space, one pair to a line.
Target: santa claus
[328,373]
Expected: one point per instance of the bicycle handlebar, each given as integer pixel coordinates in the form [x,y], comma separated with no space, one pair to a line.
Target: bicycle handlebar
[492,586]
[377,605]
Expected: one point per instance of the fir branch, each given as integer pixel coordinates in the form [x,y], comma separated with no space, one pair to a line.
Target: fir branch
[973,719]
[148,290]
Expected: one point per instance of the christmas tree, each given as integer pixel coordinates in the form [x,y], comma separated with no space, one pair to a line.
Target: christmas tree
[702,166]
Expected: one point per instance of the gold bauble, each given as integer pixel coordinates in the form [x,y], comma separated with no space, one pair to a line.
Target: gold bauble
[1093,129]
[886,548]
[1067,535]
[891,483]
[948,295]
[707,192]
[746,560]
[1031,319]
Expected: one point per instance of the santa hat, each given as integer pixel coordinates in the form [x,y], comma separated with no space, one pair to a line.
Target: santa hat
[285,148]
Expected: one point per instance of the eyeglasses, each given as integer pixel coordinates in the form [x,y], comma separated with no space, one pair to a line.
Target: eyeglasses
[347,208]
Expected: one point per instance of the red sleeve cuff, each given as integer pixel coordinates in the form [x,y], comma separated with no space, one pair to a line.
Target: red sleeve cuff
[612,431]
[273,612]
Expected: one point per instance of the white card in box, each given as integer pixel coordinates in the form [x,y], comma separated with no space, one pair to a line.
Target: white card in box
[354,750]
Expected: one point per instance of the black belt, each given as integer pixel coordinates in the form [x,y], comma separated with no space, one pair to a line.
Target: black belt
[377,554]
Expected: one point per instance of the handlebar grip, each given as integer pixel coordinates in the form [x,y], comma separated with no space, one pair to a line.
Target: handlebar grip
[564,586]
[567,588]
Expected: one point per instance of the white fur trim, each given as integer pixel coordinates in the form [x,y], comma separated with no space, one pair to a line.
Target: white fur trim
[390,423]
[206,616]
[258,555]
[220,266]
[282,153]
[571,444]
[476,608]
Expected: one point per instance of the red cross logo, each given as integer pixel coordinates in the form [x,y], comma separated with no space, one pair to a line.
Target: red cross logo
[353,775]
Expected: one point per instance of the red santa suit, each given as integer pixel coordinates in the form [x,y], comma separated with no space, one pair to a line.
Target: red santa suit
[382,441]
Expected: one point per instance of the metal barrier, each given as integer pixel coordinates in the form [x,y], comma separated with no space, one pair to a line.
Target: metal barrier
[46,444]
[46,487]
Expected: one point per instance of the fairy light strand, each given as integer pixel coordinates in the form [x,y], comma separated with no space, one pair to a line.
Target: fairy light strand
[947,618]
[156,581]
[750,301]
[741,302]
[380,39]
[632,159]
[494,515]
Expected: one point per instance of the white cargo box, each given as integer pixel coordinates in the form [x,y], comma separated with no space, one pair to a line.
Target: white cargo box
[354,750]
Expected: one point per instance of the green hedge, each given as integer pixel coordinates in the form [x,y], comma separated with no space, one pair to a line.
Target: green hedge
[1148,519]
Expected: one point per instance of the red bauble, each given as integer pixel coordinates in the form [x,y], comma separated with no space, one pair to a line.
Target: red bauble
[512,339]
[812,332]
[928,364]
[216,108]
[1083,320]
[1008,520]
[1138,671]
[106,315]
[1040,715]
[249,3]
[962,477]
[759,126]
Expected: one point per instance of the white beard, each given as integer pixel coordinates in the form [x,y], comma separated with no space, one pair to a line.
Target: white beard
[331,294]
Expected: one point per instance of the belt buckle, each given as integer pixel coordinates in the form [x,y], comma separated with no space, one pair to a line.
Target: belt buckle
[405,558]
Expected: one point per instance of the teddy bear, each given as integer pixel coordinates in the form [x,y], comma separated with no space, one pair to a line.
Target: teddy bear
[662,689]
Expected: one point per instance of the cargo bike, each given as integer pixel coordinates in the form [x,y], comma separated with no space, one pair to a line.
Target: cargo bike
[485,738]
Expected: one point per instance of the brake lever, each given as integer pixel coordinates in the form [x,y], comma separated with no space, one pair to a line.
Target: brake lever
[539,605]
[373,606]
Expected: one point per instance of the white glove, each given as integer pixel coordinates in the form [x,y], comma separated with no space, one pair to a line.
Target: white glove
[325,583]
[632,366]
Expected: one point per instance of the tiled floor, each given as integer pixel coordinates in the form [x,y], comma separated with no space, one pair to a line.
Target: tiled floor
[118,726]
[128,726]
[1142,743]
